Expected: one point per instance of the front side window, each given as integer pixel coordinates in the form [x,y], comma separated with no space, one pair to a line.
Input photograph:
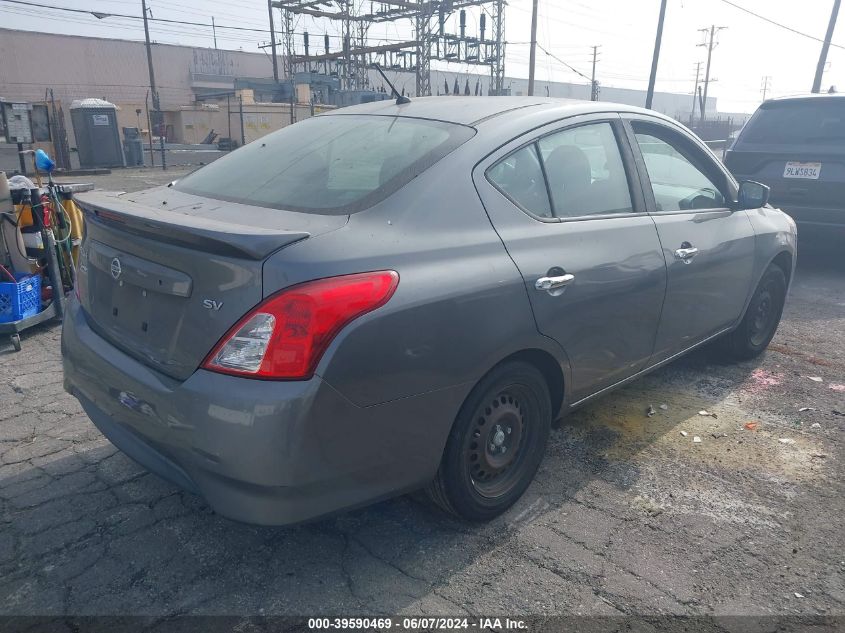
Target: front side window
[328,164]
[585,171]
[678,183]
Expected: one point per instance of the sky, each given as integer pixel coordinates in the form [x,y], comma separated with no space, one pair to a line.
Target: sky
[751,51]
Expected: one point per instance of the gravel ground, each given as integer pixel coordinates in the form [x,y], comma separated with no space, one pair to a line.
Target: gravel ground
[627,516]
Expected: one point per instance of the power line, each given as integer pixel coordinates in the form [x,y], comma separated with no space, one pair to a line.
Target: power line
[778,24]
[125,27]
[101,15]
[559,60]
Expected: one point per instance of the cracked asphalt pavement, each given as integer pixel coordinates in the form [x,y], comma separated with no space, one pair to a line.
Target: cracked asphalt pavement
[628,515]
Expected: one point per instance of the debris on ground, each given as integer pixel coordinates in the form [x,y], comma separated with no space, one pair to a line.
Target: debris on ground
[836,412]
[815,378]
[718,435]
[751,426]
[799,595]
[786,440]
[707,413]
[664,407]
[802,409]
[815,425]
[647,505]
[696,439]
[684,433]
[650,411]
[836,387]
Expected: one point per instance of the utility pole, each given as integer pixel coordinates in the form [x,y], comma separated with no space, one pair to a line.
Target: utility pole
[652,78]
[710,43]
[273,42]
[153,90]
[594,85]
[767,84]
[214,30]
[532,55]
[817,81]
[159,118]
[241,115]
[695,91]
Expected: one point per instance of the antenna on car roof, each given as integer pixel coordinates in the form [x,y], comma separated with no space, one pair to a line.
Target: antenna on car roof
[400,99]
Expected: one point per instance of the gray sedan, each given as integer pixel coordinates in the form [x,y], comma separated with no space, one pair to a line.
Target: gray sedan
[403,296]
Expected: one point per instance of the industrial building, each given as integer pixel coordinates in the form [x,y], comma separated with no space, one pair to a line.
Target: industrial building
[207,93]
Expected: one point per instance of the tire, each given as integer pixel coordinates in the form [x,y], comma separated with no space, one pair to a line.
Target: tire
[496,444]
[758,326]
[15,340]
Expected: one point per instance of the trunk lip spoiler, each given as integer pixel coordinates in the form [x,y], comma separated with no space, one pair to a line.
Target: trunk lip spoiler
[173,227]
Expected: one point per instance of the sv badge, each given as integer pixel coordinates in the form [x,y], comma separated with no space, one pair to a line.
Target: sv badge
[211,304]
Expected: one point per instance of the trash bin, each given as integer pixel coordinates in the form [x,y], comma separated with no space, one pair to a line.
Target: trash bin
[97,137]
[133,147]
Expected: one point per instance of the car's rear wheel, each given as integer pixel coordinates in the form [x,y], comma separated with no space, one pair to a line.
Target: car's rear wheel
[496,443]
[761,319]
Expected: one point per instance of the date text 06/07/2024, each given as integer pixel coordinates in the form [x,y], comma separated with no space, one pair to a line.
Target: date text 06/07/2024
[418,623]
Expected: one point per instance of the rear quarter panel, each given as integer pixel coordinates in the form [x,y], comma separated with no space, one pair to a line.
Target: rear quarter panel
[460,307]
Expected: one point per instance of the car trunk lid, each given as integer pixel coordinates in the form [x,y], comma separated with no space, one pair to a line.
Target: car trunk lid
[164,274]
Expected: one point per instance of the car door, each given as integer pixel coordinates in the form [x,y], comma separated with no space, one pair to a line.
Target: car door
[567,204]
[708,246]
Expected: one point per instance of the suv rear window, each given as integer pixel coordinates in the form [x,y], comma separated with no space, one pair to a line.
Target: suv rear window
[804,122]
[328,164]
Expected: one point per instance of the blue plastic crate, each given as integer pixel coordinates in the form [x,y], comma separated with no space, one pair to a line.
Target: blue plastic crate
[20,300]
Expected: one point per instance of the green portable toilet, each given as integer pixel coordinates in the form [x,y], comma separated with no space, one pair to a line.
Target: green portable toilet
[97,135]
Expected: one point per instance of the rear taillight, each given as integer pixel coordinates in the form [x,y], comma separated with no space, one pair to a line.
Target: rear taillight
[284,337]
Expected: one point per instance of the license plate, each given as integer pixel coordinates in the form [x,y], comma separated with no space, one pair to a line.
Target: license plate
[809,171]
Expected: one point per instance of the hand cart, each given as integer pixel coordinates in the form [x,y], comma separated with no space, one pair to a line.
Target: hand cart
[54,309]
[14,328]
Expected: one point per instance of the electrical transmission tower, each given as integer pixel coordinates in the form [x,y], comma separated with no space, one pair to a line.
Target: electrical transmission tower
[432,41]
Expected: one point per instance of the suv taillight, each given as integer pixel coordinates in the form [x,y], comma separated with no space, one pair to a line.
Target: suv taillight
[284,336]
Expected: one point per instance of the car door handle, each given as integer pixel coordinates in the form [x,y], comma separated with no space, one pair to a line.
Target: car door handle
[553,283]
[686,253]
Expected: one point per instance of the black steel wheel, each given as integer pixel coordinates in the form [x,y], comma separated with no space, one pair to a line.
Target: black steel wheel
[496,443]
[761,320]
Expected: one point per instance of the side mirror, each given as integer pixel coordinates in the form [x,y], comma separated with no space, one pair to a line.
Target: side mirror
[752,195]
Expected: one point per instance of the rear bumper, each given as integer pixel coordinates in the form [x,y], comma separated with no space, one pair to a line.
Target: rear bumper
[258,451]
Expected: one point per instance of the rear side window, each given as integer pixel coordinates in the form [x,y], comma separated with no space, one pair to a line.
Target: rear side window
[585,171]
[328,164]
[811,121]
[520,177]
[572,173]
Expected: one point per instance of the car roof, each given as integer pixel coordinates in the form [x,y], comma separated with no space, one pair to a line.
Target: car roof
[804,97]
[474,110]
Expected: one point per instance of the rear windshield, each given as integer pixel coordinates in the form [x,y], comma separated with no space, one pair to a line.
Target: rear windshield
[797,123]
[328,164]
